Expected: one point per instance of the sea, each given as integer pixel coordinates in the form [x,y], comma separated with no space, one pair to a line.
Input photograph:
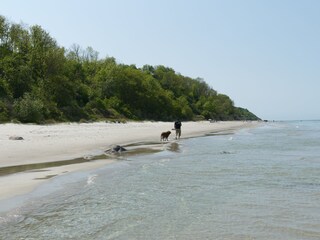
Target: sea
[257,183]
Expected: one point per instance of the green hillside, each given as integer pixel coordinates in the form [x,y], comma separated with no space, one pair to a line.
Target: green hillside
[42,82]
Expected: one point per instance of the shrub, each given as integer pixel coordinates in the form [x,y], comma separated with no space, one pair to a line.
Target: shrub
[28,109]
[4,117]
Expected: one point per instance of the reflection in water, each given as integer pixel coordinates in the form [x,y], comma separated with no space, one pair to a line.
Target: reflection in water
[174,147]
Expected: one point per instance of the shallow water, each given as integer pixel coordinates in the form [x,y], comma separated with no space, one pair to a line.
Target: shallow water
[261,183]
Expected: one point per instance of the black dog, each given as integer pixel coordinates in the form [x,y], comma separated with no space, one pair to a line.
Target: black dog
[164,136]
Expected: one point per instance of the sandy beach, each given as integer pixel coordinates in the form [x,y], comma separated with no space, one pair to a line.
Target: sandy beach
[67,141]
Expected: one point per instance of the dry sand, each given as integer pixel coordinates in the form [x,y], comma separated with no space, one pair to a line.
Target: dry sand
[51,143]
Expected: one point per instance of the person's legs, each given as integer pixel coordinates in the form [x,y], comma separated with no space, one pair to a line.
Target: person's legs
[178,133]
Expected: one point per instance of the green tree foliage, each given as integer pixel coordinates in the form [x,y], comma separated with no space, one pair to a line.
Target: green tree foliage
[4,116]
[28,109]
[41,81]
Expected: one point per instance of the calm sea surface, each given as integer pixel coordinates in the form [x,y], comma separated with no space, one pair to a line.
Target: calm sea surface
[261,183]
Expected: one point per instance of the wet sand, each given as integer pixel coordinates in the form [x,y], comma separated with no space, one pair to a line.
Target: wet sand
[47,151]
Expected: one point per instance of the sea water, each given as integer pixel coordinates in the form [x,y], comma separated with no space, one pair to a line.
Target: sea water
[261,183]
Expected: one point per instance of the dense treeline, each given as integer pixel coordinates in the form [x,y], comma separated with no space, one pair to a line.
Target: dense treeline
[43,82]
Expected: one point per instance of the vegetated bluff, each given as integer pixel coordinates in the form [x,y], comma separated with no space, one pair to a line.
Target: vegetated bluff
[42,82]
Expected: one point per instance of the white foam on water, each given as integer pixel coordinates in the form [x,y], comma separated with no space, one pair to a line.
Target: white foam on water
[91,179]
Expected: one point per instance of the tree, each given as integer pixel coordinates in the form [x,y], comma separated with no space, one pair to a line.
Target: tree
[39,81]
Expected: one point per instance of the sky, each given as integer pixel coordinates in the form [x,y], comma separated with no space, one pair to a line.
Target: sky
[263,54]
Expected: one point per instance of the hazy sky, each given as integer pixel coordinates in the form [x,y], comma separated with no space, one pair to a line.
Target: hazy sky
[264,54]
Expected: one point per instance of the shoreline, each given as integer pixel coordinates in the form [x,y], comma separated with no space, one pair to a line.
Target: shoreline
[66,142]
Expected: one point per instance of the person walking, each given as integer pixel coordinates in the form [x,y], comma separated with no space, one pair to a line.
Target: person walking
[177,127]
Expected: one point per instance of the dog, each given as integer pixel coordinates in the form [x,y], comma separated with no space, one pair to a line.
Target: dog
[164,136]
